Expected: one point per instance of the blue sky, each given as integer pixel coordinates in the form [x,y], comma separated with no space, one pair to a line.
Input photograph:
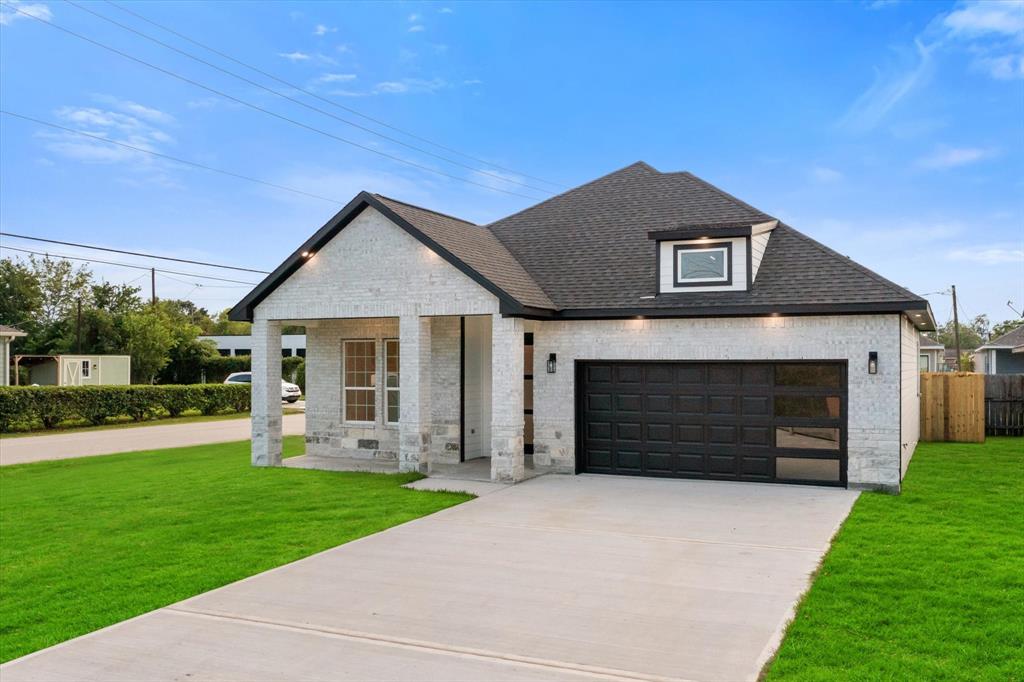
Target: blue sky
[891,131]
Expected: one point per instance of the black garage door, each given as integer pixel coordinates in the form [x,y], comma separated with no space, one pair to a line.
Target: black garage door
[741,421]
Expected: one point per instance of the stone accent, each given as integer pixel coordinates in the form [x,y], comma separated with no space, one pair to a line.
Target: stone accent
[414,417]
[874,441]
[266,393]
[507,458]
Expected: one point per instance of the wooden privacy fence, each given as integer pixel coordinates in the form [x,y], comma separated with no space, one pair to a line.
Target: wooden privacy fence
[1004,404]
[953,407]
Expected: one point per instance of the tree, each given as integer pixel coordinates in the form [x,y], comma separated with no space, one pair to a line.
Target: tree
[970,336]
[149,340]
[187,352]
[62,285]
[966,362]
[225,327]
[1005,327]
[21,299]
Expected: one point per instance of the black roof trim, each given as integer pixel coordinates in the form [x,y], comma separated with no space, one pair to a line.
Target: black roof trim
[242,312]
[698,232]
[731,311]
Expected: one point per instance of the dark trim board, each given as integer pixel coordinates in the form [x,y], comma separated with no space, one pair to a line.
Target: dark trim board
[743,456]
[727,282]
[462,389]
[687,312]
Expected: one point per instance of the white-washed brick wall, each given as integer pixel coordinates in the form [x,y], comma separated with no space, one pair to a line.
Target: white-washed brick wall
[444,390]
[326,432]
[414,415]
[266,393]
[910,393]
[874,400]
[373,268]
[507,456]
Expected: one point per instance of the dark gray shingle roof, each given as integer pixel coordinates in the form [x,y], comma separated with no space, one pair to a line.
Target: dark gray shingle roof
[1013,338]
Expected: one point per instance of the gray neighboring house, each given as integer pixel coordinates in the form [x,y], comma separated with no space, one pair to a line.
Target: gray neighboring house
[642,324]
[1002,355]
[7,336]
[241,344]
[931,356]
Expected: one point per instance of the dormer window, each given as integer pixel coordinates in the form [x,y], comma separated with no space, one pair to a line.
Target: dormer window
[702,264]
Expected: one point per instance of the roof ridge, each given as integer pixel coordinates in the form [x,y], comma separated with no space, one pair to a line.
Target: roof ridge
[857,266]
[428,210]
[642,164]
[719,190]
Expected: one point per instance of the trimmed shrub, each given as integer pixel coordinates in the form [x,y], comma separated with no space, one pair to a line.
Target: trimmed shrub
[50,405]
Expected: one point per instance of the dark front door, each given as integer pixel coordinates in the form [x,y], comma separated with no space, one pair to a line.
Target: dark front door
[745,421]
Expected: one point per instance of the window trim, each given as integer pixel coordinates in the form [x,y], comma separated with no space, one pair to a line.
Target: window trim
[927,362]
[725,247]
[387,388]
[345,388]
[86,369]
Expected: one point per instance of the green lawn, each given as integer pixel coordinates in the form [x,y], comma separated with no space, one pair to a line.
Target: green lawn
[89,542]
[927,585]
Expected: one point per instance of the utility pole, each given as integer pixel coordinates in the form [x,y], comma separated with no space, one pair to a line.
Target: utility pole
[78,327]
[956,331]
[152,285]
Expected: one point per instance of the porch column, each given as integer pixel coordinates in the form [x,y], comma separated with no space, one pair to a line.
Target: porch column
[414,399]
[507,458]
[266,393]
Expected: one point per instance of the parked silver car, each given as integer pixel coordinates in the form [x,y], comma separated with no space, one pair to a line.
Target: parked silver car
[289,391]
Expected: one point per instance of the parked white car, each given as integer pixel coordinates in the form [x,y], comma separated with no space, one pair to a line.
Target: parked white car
[289,391]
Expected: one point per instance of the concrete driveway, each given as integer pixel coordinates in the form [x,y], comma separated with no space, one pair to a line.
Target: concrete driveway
[129,439]
[558,578]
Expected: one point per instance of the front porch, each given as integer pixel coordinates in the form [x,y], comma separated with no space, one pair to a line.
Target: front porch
[449,396]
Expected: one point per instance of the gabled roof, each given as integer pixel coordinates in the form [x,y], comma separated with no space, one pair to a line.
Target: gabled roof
[587,253]
[1011,339]
[7,330]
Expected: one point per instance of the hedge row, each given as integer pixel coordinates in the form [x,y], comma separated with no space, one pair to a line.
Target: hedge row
[218,368]
[52,405]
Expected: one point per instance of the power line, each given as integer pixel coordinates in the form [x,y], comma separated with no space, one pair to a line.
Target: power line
[125,265]
[304,104]
[132,253]
[255,107]
[172,158]
[327,101]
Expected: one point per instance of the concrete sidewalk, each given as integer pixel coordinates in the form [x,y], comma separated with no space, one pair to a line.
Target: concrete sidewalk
[557,578]
[129,439]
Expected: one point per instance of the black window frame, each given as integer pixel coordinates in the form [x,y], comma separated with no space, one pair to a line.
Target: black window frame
[677,248]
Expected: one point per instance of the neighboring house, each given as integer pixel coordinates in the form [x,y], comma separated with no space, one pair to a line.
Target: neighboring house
[949,355]
[76,370]
[7,336]
[291,344]
[642,324]
[931,356]
[1001,355]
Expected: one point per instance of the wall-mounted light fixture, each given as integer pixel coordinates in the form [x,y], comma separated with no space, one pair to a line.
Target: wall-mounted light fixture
[873,362]
[551,363]
[307,254]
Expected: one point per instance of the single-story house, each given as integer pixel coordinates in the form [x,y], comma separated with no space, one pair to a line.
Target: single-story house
[241,344]
[1001,355]
[76,370]
[7,336]
[642,324]
[932,355]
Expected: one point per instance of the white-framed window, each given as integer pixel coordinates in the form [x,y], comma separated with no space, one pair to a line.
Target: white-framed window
[86,368]
[359,370]
[922,362]
[702,264]
[392,381]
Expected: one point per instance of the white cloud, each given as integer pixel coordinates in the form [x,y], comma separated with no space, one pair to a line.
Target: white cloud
[37,10]
[294,56]
[882,4]
[336,78]
[1005,67]
[416,28]
[135,109]
[989,254]
[413,18]
[984,18]
[410,85]
[825,175]
[951,157]
[348,93]
[446,10]
[322,30]
[473,81]
[887,91]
